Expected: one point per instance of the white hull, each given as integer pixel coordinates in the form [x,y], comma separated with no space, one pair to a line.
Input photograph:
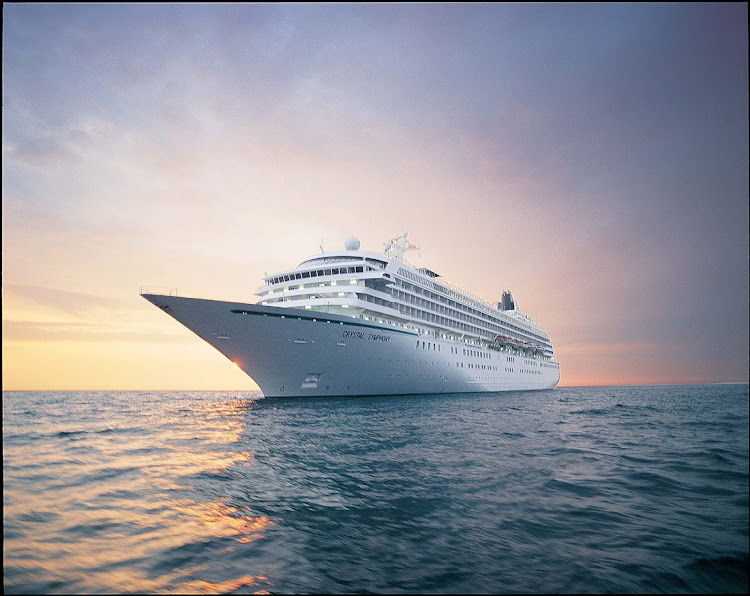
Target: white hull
[291,352]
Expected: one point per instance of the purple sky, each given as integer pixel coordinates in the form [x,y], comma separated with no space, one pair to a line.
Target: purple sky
[593,158]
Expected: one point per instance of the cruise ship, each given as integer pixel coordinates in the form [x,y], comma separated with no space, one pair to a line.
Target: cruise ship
[352,322]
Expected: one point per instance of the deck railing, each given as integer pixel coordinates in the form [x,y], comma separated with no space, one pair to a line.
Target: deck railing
[157,291]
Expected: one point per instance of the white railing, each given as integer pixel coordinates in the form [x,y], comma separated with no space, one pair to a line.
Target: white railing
[157,291]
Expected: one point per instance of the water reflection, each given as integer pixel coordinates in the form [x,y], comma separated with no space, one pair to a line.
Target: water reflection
[222,520]
[113,500]
[229,585]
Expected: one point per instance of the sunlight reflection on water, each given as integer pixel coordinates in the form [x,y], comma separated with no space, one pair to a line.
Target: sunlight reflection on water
[571,490]
[104,496]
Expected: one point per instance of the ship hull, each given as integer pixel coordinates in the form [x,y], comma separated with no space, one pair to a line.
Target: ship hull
[290,352]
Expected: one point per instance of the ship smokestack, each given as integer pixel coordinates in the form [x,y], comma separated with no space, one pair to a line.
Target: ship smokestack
[507,301]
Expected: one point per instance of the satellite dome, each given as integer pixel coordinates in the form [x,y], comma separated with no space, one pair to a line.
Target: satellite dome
[351,243]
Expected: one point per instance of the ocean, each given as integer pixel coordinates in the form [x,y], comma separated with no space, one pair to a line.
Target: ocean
[571,490]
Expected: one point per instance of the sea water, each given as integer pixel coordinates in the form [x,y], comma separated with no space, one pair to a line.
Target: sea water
[605,489]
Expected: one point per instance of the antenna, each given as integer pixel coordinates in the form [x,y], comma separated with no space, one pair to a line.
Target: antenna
[401,245]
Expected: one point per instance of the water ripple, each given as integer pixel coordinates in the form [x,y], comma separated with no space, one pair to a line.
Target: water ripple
[631,489]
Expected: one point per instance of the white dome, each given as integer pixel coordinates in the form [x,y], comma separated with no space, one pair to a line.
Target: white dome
[351,243]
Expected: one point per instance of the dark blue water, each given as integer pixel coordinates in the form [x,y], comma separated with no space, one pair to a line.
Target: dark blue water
[615,489]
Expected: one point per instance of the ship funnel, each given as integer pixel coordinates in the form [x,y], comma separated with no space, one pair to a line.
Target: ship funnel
[507,301]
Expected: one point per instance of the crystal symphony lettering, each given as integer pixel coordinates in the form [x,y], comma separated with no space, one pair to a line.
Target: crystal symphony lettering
[363,335]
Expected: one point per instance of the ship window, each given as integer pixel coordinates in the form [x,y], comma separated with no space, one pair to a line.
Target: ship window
[335,271]
[328,272]
[359,269]
[305,274]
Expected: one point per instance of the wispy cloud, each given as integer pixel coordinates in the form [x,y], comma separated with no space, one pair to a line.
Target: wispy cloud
[51,331]
[76,303]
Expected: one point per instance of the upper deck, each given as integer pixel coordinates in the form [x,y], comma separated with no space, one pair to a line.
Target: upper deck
[384,287]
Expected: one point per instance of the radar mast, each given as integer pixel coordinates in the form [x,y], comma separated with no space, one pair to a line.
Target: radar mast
[399,245]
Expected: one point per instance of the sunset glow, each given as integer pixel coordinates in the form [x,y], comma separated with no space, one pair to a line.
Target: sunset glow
[592,158]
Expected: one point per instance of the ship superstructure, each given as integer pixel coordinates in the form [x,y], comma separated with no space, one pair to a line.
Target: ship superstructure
[355,322]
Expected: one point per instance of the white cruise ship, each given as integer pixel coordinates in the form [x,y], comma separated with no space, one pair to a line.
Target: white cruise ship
[352,322]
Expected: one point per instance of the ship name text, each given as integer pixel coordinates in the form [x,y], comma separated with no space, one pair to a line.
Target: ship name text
[363,335]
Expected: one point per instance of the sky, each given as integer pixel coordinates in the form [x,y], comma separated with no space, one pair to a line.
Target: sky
[592,158]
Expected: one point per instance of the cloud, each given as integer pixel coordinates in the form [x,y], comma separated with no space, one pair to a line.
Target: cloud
[51,331]
[64,301]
